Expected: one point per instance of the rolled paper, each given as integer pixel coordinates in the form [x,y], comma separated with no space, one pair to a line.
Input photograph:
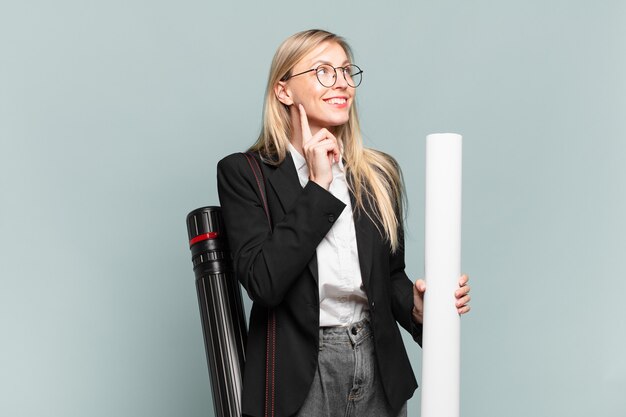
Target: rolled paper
[441,347]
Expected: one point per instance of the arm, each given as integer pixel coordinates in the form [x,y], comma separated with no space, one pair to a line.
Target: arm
[268,263]
[400,284]
[402,290]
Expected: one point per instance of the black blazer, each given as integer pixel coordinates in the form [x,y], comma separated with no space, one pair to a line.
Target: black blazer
[279,270]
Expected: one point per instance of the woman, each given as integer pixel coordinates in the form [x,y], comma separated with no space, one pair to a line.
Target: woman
[327,277]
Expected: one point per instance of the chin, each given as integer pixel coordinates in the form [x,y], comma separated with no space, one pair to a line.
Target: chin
[337,124]
[338,121]
[330,120]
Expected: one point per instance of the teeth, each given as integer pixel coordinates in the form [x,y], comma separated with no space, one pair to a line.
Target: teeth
[336,101]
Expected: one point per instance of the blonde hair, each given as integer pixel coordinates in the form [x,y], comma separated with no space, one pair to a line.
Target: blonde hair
[372,175]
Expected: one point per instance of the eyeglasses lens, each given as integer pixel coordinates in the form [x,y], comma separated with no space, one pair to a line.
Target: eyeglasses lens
[326,75]
[353,75]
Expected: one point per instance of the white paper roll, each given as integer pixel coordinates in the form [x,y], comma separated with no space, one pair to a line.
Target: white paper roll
[442,328]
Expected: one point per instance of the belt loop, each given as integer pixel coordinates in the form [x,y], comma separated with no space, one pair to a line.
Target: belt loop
[321,342]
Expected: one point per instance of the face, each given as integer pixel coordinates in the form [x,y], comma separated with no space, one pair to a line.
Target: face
[325,107]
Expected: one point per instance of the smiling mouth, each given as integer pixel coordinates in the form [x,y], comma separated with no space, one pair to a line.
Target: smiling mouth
[336,100]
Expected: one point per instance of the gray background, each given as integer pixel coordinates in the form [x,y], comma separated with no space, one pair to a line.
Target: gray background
[114,114]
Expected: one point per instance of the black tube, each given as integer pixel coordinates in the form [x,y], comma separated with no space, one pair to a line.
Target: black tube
[221,308]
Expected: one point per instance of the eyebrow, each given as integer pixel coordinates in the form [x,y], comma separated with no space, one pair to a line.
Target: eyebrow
[321,61]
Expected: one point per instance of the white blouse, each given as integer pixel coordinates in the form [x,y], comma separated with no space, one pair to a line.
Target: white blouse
[342,299]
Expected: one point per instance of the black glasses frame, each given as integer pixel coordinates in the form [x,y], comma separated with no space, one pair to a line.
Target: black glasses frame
[343,72]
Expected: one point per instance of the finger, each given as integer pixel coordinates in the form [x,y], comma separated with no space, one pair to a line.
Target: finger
[314,140]
[420,285]
[304,124]
[337,152]
[324,134]
[463,280]
[324,146]
[463,301]
[329,143]
[464,309]
[462,291]
[334,153]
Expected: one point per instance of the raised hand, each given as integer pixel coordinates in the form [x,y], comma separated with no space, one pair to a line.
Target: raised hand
[321,151]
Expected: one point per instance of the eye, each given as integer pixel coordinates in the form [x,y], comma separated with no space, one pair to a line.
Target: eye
[324,70]
[351,70]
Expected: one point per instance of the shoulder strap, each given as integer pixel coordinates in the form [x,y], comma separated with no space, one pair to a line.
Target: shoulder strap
[260,182]
[270,356]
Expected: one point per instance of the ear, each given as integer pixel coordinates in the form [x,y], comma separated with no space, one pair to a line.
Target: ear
[283,94]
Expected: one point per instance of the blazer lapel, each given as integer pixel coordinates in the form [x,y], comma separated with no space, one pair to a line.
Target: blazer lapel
[365,235]
[285,183]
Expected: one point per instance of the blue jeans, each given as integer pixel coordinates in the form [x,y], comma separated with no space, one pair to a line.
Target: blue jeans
[347,382]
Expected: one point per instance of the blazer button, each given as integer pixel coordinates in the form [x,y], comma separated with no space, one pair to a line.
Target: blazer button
[331,218]
[373,306]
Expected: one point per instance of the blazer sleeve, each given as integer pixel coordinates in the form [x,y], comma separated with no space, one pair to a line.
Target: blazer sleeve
[267,263]
[402,290]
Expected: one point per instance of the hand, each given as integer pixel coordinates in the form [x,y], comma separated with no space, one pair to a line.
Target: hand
[462,295]
[418,301]
[462,298]
[321,151]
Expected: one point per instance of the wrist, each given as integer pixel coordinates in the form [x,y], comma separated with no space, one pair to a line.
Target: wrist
[322,183]
[418,317]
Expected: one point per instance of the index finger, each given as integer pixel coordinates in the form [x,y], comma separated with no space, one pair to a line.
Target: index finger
[304,124]
[463,280]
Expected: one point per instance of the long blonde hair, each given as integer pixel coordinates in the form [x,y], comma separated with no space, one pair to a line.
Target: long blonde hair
[372,175]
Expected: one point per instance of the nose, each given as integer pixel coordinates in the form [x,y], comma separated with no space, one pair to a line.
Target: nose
[340,80]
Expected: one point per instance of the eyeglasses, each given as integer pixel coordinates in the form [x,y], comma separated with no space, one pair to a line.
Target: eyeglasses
[327,75]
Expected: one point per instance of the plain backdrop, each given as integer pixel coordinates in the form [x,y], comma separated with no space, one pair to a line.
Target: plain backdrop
[113,115]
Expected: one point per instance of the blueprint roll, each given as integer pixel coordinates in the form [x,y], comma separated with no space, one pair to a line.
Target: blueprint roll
[442,328]
[221,308]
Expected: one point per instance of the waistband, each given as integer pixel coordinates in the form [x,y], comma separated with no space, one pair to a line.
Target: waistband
[355,332]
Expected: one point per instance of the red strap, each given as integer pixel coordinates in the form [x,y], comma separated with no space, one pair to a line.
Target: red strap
[205,236]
